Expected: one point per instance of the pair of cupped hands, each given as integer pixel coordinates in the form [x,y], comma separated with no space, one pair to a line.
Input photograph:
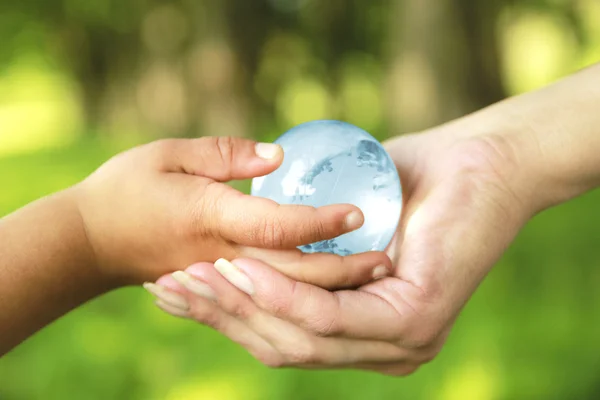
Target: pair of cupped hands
[162,213]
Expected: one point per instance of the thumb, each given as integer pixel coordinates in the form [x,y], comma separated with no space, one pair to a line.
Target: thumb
[218,158]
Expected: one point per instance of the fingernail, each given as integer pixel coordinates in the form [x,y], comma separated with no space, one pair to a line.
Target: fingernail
[354,220]
[194,285]
[380,272]
[234,275]
[167,296]
[169,309]
[267,151]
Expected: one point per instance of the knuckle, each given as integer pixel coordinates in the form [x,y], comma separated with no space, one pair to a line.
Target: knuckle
[301,353]
[216,153]
[323,327]
[421,337]
[280,306]
[318,321]
[207,316]
[315,231]
[327,323]
[225,147]
[271,360]
[272,235]
[238,310]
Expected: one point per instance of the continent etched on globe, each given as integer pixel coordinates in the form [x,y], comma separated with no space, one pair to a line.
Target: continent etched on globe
[333,162]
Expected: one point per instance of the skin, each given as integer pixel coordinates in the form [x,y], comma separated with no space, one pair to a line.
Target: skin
[152,210]
[469,185]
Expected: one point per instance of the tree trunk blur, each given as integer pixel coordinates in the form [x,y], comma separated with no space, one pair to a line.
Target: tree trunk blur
[444,61]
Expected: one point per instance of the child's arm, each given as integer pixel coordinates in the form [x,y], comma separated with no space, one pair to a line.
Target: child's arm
[47,267]
[154,210]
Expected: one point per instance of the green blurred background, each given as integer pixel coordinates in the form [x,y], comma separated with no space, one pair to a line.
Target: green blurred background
[81,80]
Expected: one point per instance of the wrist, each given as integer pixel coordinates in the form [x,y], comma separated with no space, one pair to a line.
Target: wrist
[93,267]
[564,121]
[553,165]
[535,171]
[552,135]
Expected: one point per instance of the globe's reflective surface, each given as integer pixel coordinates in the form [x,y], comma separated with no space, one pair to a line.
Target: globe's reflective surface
[332,162]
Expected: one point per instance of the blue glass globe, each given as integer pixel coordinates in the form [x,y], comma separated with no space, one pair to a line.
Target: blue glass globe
[332,162]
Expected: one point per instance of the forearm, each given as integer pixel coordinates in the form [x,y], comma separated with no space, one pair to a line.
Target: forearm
[553,135]
[46,268]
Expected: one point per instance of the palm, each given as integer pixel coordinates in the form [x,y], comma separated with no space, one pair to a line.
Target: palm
[455,225]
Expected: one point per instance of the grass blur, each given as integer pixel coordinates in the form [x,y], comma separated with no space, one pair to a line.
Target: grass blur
[530,331]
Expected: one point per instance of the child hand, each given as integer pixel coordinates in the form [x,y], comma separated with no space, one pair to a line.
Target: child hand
[160,207]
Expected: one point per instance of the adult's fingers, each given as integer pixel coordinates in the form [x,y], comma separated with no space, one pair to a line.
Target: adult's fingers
[348,313]
[204,309]
[296,346]
[171,309]
[328,271]
[218,158]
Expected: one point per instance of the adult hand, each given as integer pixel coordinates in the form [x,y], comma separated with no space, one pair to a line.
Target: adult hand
[163,206]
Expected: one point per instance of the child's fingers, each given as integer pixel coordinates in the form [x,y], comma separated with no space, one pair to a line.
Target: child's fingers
[219,158]
[259,222]
[328,271]
[248,220]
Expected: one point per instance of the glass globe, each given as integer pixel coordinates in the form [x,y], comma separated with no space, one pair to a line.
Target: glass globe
[333,162]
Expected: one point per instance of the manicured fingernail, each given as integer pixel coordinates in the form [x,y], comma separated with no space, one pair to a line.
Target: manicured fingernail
[194,285]
[167,296]
[169,309]
[234,275]
[267,151]
[380,272]
[354,220]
